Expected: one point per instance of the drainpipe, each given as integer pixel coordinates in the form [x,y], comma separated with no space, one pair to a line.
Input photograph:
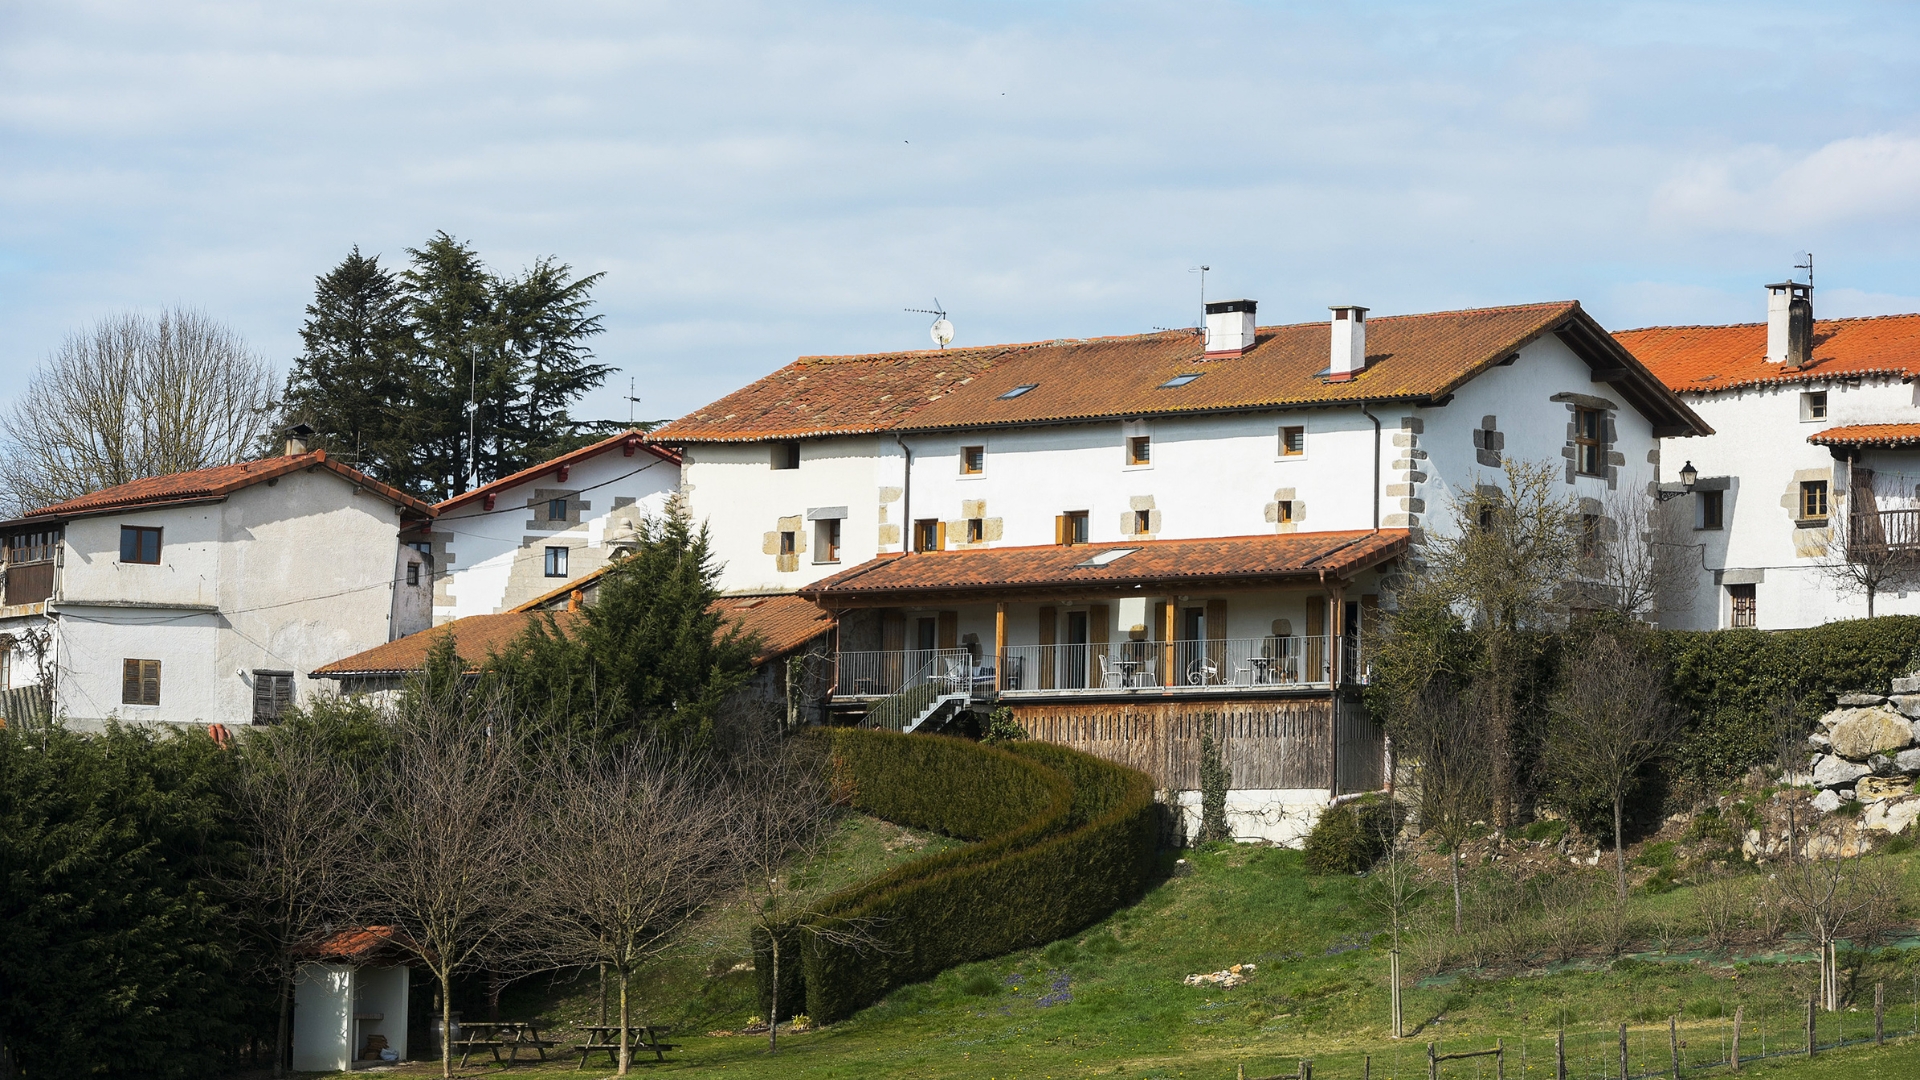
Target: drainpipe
[906,498]
[1376,464]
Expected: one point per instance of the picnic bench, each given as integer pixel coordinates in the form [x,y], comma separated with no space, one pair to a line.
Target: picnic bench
[495,1035]
[640,1038]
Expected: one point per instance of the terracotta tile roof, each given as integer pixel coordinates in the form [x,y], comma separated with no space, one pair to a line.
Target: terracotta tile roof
[783,622]
[1700,359]
[586,583]
[203,485]
[360,945]
[632,440]
[1053,568]
[1411,357]
[1881,435]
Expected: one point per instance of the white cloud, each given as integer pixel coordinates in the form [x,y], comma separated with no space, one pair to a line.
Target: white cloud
[1871,178]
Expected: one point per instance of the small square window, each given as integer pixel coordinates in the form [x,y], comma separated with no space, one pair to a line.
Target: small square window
[973,460]
[556,562]
[1284,510]
[139,682]
[413,573]
[1179,380]
[1813,500]
[927,534]
[556,509]
[139,545]
[1813,406]
[1293,441]
[789,542]
[786,455]
[1017,391]
[1140,450]
[1071,527]
[272,695]
[976,530]
[1712,509]
[1142,522]
[1745,606]
[1589,435]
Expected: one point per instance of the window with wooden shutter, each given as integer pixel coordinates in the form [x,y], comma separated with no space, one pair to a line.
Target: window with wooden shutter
[272,695]
[139,682]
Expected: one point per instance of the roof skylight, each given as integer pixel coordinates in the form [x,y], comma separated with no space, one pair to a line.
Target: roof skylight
[1179,380]
[1106,558]
[1017,391]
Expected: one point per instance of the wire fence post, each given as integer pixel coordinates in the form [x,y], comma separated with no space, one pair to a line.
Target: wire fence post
[1879,1014]
[1433,1064]
[1623,1052]
[1499,1059]
[1673,1043]
[1560,1055]
[1810,1032]
[1739,1013]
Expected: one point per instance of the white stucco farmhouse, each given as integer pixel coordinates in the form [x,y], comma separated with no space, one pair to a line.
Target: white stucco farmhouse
[208,596]
[1813,470]
[1128,539]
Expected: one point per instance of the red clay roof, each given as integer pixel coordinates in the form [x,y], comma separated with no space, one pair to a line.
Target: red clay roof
[1881,435]
[1288,556]
[1701,359]
[202,485]
[784,623]
[1411,357]
[634,437]
[360,945]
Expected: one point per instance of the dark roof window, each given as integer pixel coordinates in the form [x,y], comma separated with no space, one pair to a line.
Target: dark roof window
[1017,391]
[1180,380]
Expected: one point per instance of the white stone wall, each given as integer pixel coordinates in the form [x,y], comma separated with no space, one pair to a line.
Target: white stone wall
[488,561]
[1760,451]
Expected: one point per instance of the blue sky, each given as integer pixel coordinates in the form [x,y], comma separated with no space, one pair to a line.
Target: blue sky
[760,181]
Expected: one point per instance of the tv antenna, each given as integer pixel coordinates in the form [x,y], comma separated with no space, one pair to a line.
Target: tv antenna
[1202,271]
[631,401]
[942,330]
[1807,266]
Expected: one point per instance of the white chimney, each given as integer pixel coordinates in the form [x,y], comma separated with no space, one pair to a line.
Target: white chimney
[1349,342]
[1789,323]
[1229,327]
[298,437]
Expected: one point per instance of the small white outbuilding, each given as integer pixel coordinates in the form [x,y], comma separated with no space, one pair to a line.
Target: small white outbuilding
[350,1002]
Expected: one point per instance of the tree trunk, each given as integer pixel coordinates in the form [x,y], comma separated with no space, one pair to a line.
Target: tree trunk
[1453,867]
[280,1062]
[1619,854]
[1500,731]
[626,1054]
[446,1023]
[773,1004]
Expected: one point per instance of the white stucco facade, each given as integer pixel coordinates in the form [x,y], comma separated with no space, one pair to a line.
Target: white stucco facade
[269,581]
[493,555]
[1207,476]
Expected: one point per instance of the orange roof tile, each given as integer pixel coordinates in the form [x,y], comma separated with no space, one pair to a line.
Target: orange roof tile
[1701,359]
[633,438]
[203,485]
[1880,435]
[360,945]
[1411,357]
[783,623]
[1054,568]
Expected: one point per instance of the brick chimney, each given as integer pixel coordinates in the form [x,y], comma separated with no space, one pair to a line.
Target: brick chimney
[1229,327]
[1789,324]
[1349,357]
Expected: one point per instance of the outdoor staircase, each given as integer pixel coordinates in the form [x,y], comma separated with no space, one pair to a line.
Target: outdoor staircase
[934,709]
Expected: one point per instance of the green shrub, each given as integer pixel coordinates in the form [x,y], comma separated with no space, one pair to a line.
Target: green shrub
[980,984]
[1061,953]
[1003,728]
[1546,830]
[1348,839]
[1077,844]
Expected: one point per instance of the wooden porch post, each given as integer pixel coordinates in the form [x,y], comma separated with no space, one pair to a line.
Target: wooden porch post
[1167,633]
[1000,646]
[1336,660]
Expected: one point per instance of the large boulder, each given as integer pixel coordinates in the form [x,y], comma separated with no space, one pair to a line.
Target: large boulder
[1832,772]
[1891,815]
[1907,761]
[1908,685]
[1865,732]
[1828,801]
[1874,789]
[1907,704]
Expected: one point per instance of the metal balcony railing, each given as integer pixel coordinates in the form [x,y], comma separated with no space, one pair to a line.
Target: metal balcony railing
[884,673]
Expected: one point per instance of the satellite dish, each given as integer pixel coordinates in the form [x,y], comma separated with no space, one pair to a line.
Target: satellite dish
[941,332]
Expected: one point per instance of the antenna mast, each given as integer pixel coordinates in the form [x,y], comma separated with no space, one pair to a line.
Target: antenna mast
[941,330]
[1808,267]
[1202,271]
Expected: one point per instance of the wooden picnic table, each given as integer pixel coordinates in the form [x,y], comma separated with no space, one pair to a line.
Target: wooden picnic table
[495,1034]
[640,1037]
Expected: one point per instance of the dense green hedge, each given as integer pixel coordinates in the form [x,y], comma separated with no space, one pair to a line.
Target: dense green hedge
[1728,681]
[1082,850]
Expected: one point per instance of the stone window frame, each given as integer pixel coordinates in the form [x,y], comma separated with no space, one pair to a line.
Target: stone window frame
[1608,457]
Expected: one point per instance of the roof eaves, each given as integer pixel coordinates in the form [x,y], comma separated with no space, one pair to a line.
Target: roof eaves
[612,442]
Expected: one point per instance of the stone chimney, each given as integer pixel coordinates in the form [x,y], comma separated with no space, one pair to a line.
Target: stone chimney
[1789,324]
[297,438]
[1229,327]
[1349,356]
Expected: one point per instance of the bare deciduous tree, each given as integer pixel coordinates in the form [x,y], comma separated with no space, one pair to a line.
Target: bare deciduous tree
[632,846]
[447,841]
[133,397]
[1394,887]
[1641,560]
[1829,896]
[1611,717]
[1868,552]
[1450,757]
[297,803]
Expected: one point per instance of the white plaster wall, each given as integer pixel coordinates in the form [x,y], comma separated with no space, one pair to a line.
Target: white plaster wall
[322,1018]
[1760,446]
[1281,816]
[734,489]
[301,574]
[490,560]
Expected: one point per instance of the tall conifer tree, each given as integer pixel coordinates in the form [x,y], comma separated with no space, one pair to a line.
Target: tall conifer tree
[349,383]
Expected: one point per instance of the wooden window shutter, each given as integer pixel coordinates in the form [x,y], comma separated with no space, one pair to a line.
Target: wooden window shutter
[1316,644]
[1060,528]
[263,698]
[1048,618]
[149,682]
[949,629]
[1217,634]
[1316,616]
[940,544]
[1099,627]
[282,694]
[130,682]
[893,630]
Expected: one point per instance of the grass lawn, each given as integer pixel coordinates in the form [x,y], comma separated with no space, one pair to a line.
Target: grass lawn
[1111,1002]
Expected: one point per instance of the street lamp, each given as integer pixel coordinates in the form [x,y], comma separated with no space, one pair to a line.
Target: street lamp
[1688,474]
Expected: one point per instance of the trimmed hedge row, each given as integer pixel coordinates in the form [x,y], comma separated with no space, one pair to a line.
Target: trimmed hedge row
[1086,851]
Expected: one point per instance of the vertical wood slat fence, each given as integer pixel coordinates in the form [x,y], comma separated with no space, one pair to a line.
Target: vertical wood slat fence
[1264,744]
